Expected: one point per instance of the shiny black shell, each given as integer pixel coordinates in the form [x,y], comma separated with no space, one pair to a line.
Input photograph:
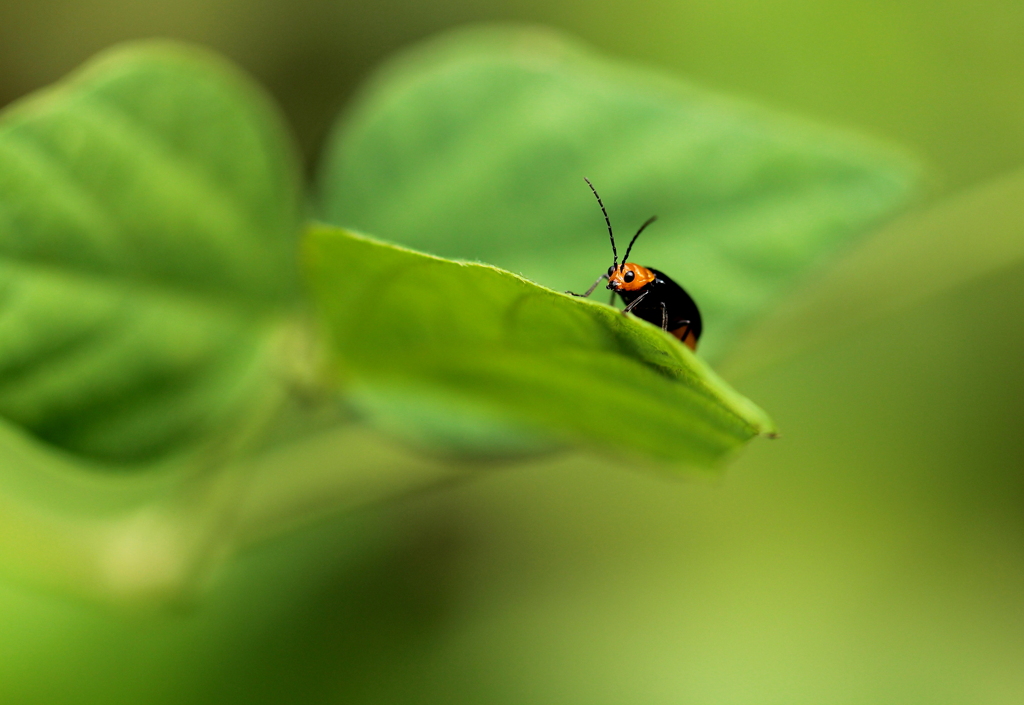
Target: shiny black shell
[678,304]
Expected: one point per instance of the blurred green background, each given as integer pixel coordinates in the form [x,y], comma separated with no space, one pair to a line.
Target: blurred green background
[874,555]
[941,77]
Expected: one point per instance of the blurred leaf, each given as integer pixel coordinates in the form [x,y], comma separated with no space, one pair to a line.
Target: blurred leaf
[149,207]
[917,257]
[134,537]
[509,351]
[473,146]
[149,213]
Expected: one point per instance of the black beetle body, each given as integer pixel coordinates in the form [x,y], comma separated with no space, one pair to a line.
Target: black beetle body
[667,305]
[649,294]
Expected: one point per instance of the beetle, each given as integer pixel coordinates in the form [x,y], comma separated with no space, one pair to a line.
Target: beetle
[648,293]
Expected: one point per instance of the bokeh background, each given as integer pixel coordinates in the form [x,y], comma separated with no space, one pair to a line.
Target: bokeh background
[940,77]
[875,554]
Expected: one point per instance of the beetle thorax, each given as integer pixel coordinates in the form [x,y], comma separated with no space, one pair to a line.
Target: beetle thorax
[629,276]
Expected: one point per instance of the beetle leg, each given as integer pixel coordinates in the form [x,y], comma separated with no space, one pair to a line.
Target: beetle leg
[664,316]
[635,302]
[686,330]
[592,287]
[611,301]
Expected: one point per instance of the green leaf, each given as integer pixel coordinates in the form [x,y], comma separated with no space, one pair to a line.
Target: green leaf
[149,211]
[150,206]
[516,354]
[473,146]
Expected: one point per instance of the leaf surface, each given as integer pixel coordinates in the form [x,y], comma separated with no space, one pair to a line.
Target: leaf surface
[502,348]
[473,146]
[149,211]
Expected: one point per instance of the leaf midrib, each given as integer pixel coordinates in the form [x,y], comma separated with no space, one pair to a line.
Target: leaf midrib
[220,199]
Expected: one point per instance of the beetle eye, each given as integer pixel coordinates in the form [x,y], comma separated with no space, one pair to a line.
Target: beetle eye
[629,276]
[611,270]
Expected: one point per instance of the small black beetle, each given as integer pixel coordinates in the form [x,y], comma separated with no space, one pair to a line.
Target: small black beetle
[648,293]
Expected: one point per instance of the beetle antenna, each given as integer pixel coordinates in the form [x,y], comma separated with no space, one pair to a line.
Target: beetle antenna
[646,223]
[615,255]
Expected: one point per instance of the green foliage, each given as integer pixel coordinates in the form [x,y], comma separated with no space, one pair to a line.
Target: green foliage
[473,146]
[569,368]
[149,214]
[874,555]
[149,207]
[153,317]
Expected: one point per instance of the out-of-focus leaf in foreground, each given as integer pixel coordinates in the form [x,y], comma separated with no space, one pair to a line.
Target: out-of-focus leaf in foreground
[149,211]
[472,146]
[475,337]
[149,218]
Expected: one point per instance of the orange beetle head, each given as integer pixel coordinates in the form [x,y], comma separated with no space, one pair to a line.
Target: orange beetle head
[629,277]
